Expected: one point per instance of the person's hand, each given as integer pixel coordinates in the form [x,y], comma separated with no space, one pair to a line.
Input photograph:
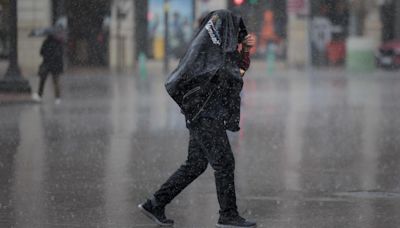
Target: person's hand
[242,72]
[249,41]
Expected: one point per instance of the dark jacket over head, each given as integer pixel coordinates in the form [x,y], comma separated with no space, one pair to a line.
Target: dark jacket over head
[207,81]
[52,51]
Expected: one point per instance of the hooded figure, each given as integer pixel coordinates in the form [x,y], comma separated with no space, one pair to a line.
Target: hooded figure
[52,51]
[209,64]
[206,85]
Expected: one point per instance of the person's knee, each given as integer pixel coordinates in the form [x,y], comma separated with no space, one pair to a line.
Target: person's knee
[225,166]
[200,167]
[194,168]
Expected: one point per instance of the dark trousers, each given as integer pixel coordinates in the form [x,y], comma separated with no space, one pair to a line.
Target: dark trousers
[208,144]
[56,83]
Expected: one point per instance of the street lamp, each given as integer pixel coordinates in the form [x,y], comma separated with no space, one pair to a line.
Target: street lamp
[13,80]
[166,36]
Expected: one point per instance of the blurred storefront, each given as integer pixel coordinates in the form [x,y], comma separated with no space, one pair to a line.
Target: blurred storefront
[321,32]
[183,20]
[114,32]
[328,31]
[340,32]
[88,36]
[107,33]
[180,26]
[267,20]
[390,17]
[353,31]
[87,31]
[100,32]
[82,21]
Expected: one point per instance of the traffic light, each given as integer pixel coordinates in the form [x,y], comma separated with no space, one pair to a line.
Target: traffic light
[253,2]
[238,2]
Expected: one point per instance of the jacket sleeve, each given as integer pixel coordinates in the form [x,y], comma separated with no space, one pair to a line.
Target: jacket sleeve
[244,60]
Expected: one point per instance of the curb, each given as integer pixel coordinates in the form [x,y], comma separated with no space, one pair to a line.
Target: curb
[15,98]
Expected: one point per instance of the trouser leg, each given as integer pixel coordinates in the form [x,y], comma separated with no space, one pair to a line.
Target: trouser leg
[56,83]
[42,82]
[193,167]
[215,143]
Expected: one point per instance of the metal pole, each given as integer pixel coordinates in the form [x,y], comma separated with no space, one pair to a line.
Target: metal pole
[13,80]
[119,57]
[308,35]
[194,11]
[397,19]
[141,25]
[166,36]
[13,68]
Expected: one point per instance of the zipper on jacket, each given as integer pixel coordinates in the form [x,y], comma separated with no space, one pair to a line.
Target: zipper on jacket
[195,89]
[204,104]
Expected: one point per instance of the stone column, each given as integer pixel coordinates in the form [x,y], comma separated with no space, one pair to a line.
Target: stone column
[372,23]
[298,35]
[24,54]
[297,41]
[122,33]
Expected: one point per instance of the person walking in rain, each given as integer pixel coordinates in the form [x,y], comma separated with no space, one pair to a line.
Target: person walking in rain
[52,51]
[206,85]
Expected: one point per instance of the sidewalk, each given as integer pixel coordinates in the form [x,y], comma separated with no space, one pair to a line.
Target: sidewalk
[313,151]
[13,98]
[258,70]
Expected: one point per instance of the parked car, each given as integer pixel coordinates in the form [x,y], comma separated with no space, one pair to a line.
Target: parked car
[388,54]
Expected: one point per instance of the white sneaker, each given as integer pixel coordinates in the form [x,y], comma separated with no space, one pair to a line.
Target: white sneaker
[57,101]
[36,97]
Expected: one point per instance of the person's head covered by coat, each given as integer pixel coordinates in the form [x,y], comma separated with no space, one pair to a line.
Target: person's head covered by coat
[212,49]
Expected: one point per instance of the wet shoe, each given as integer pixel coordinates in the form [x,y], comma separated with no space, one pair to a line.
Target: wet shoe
[235,222]
[155,213]
[36,98]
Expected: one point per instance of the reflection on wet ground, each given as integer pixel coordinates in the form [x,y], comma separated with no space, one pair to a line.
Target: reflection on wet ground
[315,150]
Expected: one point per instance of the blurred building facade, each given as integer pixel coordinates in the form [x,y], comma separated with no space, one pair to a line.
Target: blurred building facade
[31,15]
[90,34]
[112,33]
[320,32]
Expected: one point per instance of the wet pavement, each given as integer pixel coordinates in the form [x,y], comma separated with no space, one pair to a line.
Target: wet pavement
[319,149]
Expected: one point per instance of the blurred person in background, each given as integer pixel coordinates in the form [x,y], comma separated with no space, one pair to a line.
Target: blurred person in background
[52,51]
[207,85]
[268,36]
[321,36]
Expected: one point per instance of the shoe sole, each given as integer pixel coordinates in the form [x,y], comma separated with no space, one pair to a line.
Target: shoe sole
[233,226]
[152,217]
